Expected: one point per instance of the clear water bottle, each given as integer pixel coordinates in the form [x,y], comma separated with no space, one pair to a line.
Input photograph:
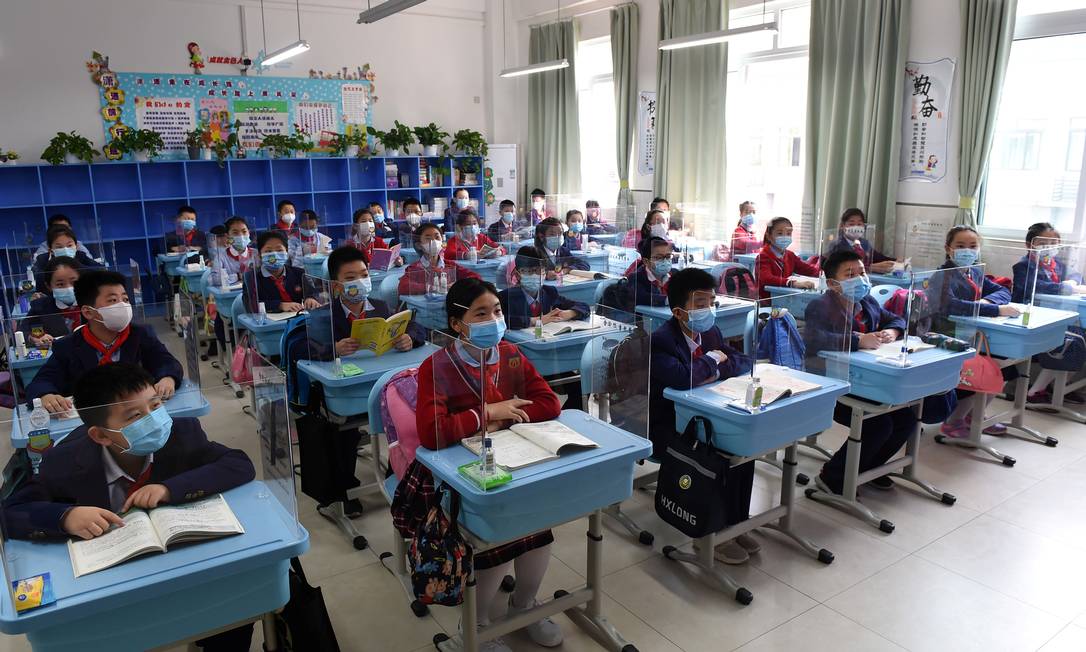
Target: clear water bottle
[754,394]
[262,318]
[444,284]
[487,457]
[38,438]
[473,255]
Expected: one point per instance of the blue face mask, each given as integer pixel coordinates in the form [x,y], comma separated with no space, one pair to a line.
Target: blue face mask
[553,242]
[147,434]
[782,242]
[855,288]
[700,320]
[469,232]
[379,217]
[356,291]
[309,233]
[661,268]
[531,283]
[748,219]
[486,334]
[274,260]
[64,251]
[461,202]
[507,217]
[65,295]
[240,242]
[188,225]
[576,227]
[965,257]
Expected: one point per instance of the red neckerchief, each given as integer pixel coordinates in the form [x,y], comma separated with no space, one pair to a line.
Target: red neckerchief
[535,306]
[973,284]
[243,261]
[107,352]
[188,236]
[284,296]
[697,350]
[73,315]
[1053,276]
[139,483]
[287,229]
[351,317]
[859,249]
[858,318]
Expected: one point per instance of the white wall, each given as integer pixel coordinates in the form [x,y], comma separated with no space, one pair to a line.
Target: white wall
[429,60]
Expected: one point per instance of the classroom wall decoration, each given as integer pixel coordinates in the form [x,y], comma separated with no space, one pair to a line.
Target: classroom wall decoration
[646,133]
[925,123]
[173,104]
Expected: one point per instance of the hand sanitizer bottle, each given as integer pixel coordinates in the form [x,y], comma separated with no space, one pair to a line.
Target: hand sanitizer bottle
[473,255]
[754,394]
[263,316]
[444,285]
[38,438]
[487,466]
[821,281]
[20,346]
[539,327]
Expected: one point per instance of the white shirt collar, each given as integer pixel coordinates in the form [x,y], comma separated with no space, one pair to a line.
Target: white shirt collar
[113,470]
[491,358]
[691,342]
[347,310]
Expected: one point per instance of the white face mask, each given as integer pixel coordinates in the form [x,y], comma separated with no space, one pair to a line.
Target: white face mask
[431,248]
[365,228]
[658,230]
[413,219]
[116,317]
[288,218]
[538,205]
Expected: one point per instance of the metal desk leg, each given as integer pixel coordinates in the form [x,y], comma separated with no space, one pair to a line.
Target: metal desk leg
[1021,388]
[271,639]
[590,617]
[702,558]
[912,452]
[336,513]
[974,442]
[811,442]
[788,493]
[1060,389]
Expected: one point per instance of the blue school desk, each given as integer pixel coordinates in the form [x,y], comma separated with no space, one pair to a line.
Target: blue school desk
[605,238]
[731,318]
[887,388]
[193,280]
[1014,345]
[597,259]
[160,599]
[486,268]
[539,497]
[26,368]
[796,301]
[314,265]
[1062,386]
[346,396]
[1070,302]
[168,262]
[267,335]
[187,401]
[889,279]
[562,353]
[583,290]
[750,436]
[429,310]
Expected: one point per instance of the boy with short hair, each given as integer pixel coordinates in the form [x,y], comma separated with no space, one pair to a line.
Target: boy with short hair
[307,240]
[595,225]
[530,299]
[556,254]
[503,228]
[285,214]
[539,206]
[186,237]
[382,223]
[407,232]
[652,274]
[107,336]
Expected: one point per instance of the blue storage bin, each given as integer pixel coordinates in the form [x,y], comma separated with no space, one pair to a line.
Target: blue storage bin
[330,174]
[163,180]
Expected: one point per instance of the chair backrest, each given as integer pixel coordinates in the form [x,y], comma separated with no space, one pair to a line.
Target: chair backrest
[883,293]
[598,296]
[501,279]
[389,290]
[391,413]
[237,306]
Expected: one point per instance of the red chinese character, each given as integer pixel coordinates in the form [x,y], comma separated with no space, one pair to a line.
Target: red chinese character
[229,84]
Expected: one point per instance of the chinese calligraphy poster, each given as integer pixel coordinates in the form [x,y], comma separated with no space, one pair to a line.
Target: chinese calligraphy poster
[646,132]
[925,122]
[171,117]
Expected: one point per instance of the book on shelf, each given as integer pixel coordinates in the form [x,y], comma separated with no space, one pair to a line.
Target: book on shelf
[524,444]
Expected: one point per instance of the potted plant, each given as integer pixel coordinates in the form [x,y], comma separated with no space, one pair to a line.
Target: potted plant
[430,137]
[442,172]
[469,168]
[468,142]
[11,157]
[301,142]
[68,148]
[395,141]
[199,143]
[350,144]
[142,144]
[231,144]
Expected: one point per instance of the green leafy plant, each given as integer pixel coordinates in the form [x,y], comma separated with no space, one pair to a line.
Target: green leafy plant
[68,143]
[469,142]
[131,141]
[224,147]
[198,137]
[430,135]
[284,143]
[443,168]
[340,142]
[469,166]
[10,155]
[399,137]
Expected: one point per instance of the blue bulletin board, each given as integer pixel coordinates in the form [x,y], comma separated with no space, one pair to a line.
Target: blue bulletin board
[173,104]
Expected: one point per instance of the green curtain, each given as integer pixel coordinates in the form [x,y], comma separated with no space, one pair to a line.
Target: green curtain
[690,96]
[855,87]
[553,160]
[987,34]
[625,23]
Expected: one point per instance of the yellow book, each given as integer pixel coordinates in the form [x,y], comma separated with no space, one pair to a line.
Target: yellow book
[377,334]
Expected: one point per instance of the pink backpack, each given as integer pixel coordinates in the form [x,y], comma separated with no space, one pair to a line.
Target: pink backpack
[399,400]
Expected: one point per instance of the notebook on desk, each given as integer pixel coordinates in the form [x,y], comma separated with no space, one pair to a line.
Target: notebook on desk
[524,444]
[777,383]
[556,328]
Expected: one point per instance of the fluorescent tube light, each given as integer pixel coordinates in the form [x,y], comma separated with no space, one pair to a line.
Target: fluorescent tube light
[556,64]
[708,38]
[386,9]
[283,54]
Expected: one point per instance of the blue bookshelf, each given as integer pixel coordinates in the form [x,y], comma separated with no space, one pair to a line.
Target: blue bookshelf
[130,202]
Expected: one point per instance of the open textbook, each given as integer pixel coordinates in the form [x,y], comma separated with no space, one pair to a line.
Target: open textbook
[893,349]
[377,333]
[777,382]
[524,444]
[383,259]
[153,531]
[555,328]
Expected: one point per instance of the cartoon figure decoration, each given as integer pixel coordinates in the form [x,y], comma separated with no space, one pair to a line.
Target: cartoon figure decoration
[112,112]
[196,59]
[364,73]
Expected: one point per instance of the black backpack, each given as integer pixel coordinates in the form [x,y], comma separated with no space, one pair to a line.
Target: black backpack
[628,381]
[739,282]
[617,301]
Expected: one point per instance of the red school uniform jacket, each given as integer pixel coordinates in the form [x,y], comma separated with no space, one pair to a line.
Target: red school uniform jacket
[774,270]
[449,401]
[458,250]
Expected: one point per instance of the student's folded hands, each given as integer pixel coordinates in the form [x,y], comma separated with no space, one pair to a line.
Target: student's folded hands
[718,355]
[89,522]
[165,388]
[147,497]
[870,341]
[508,410]
[55,403]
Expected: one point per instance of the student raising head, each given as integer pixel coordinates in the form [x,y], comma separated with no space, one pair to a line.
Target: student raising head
[777,265]
[651,276]
[452,383]
[503,228]
[852,235]
[307,240]
[576,238]
[461,202]
[108,336]
[365,236]
[280,287]
[424,275]
[285,214]
[54,220]
[61,242]
[469,236]
[185,236]
[551,243]
[594,221]
[237,257]
[654,225]
[382,224]
[539,206]
[744,240]
[407,232]
[56,313]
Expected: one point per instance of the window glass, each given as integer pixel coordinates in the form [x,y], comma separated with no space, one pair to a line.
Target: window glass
[596,108]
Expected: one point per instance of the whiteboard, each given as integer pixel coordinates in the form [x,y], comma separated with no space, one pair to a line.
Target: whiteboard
[501,160]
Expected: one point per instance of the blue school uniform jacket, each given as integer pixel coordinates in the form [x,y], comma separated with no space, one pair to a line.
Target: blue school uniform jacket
[827,320]
[673,365]
[385,232]
[84,260]
[647,293]
[322,333]
[198,239]
[46,315]
[562,258]
[951,294]
[1049,281]
[266,291]
[72,356]
[518,309]
[73,474]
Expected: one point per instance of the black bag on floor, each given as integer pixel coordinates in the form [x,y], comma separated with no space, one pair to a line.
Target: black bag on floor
[328,454]
[304,623]
[690,491]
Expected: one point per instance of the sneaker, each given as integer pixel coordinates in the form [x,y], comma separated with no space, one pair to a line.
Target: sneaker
[884,482]
[493,645]
[1043,397]
[730,552]
[749,543]
[996,429]
[544,632]
[955,429]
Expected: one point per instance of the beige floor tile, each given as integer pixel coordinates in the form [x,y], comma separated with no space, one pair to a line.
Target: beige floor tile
[1071,639]
[987,483]
[922,606]
[820,630]
[1054,507]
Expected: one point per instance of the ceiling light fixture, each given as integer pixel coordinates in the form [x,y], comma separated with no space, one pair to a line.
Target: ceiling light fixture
[385,9]
[543,66]
[723,36]
[282,54]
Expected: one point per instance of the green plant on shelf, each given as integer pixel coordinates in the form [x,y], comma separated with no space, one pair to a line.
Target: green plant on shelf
[283,144]
[140,143]
[397,139]
[198,137]
[442,170]
[79,147]
[431,135]
[356,138]
[223,148]
[469,142]
[469,166]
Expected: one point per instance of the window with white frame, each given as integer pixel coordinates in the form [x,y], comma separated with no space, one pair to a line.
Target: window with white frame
[596,107]
[1035,171]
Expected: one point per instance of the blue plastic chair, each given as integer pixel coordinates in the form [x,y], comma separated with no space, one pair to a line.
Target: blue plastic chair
[502,274]
[598,296]
[883,293]
[389,291]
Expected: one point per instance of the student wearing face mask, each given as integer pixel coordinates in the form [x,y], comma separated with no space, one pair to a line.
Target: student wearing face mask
[308,240]
[452,384]
[689,351]
[276,284]
[382,224]
[847,310]
[107,335]
[651,274]
[508,223]
[777,266]
[538,200]
[593,224]
[852,236]
[56,314]
[469,235]
[365,238]
[128,452]
[61,219]
[556,254]
[743,239]
[421,276]
[62,244]
[966,291]
[655,225]
[285,217]
[237,257]
[461,202]
[407,232]
[186,237]
[576,238]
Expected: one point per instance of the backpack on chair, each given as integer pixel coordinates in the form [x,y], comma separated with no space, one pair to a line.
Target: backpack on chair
[738,282]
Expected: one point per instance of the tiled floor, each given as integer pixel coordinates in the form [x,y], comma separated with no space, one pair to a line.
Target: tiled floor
[1001,570]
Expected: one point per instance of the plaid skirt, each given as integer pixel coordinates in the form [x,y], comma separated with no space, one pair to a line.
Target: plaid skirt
[509,551]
